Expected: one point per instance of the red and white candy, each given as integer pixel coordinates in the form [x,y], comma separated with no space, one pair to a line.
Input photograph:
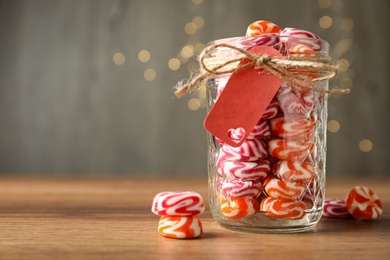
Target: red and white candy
[289,149]
[235,208]
[262,27]
[261,130]
[363,203]
[295,103]
[283,208]
[298,36]
[250,150]
[236,188]
[185,203]
[271,111]
[180,227]
[257,170]
[294,171]
[335,208]
[277,188]
[298,128]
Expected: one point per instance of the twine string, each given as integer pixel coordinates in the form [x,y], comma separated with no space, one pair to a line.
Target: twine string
[299,72]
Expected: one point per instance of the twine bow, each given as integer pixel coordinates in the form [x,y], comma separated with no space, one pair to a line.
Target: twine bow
[299,72]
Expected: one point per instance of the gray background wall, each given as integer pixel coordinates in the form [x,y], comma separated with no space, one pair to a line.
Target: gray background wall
[66,108]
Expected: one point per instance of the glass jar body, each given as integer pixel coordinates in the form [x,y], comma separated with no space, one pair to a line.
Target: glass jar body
[275,181]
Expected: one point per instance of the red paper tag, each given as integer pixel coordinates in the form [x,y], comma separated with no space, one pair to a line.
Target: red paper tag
[244,100]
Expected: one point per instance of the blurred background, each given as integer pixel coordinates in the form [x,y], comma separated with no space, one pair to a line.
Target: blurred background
[86,86]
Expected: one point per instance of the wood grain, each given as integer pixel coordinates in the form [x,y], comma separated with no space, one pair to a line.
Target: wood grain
[110,218]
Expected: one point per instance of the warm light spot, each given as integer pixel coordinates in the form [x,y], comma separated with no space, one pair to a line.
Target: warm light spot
[343,64]
[150,74]
[365,145]
[199,47]
[341,46]
[187,51]
[174,64]
[197,2]
[198,21]
[190,28]
[346,24]
[193,104]
[326,22]
[144,56]
[202,92]
[346,82]
[203,102]
[119,58]
[324,3]
[333,126]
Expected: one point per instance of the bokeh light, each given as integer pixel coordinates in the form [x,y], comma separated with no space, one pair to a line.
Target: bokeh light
[119,58]
[333,126]
[365,145]
[144,56]
[150,74]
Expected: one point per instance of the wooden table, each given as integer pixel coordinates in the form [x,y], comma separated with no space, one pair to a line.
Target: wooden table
[110,218]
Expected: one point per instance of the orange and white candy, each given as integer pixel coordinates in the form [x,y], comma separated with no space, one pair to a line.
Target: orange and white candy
[277,188]
[294,171]
[235,208]
[293,127]
[301,50]
[363,203]
[180,227]
[283,208]
[285,149]
[262,27]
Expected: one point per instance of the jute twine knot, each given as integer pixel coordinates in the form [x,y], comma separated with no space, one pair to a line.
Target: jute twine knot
[299,72]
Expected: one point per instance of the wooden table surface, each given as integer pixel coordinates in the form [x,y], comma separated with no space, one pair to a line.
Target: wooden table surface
[110,218]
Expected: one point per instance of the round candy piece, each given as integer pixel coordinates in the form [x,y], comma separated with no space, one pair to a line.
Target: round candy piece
[335,208]
[180,227]
[261,130]
[235,208]
[301,50]
[285,149]
[363,203]
[271,111]
[184,203]
[250,150]
[262,27]
[283,208]
[299,128]
[237,188]
[298,36]
[277,188]
[245,171]
[294,171]
[291,102]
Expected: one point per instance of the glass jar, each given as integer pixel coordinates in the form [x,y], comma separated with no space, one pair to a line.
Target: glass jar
[274,182]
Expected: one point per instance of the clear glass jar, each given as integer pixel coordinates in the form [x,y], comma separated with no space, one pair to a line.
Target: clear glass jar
[274,182]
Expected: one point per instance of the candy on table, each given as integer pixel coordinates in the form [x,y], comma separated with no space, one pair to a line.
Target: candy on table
[237,188]
[185,203]
[298,127]
[300,50]
[235,208]
[277,188]
[335,208]
[290,102]
[298,36]
[262,27]
[261,130]
[180,226]
[257,170]
[283,208]
[363,203]
[250,150]
[294,170]
[289,149]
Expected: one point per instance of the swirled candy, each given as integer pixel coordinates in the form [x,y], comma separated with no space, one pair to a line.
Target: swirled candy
[300,128]
[363,203]
[271,111]
[185,203]
[235,208]
[298,36]
[283,208]
[294,171]
[289,149]
[236,188]
[261,130]
[291,102]
[180,227]
[301,50]
[277,188]
[257,170]
[335,208]
[250,150]
[262,27]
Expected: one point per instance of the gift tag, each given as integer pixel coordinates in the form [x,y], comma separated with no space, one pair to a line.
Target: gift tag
[243,101]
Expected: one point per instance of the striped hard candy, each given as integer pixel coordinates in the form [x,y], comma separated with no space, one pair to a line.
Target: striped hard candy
[172,203]
[283,208]
[235,208]
[363,203]
[180,227]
